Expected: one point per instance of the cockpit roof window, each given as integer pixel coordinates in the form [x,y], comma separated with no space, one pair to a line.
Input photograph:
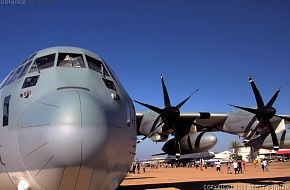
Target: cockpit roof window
[8,78]
[32,56]
[73,60]
[111,72]
[25,68]
[15,75]
[96,65]
[25,61]
[43,62]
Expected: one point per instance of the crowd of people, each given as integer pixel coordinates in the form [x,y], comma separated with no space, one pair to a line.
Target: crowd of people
[136,167]
[239,166]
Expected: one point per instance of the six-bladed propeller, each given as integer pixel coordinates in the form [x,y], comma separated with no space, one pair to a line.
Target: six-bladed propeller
[168,116]
[263,112]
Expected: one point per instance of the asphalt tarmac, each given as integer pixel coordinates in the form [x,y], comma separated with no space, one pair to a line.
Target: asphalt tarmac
[277,178]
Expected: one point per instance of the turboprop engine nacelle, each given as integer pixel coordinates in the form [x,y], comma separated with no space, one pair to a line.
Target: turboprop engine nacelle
[236,120]
[146,125]
[191,143]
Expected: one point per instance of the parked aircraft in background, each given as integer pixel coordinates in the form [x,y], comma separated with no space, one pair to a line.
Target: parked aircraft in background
[187,157]
[171,159]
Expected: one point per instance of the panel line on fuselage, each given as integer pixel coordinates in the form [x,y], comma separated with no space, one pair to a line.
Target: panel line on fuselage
[42,125]
[44,165]
[81,111]
[46,104]
[36,149]
[60,181]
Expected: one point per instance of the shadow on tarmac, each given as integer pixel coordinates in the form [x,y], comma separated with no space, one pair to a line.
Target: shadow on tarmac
[255,183]
[131,178]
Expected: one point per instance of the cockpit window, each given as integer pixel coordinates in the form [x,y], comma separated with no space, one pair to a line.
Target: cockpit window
[96,65]
[29,58]
[8,78]
[24,61]
[32,56]
[15,75]
[70,60]
[43,62]
[24,70]
[113,75]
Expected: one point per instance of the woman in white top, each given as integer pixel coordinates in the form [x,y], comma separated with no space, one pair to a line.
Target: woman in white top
[235,164]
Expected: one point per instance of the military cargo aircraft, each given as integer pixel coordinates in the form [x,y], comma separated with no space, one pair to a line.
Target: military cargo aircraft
[68,123]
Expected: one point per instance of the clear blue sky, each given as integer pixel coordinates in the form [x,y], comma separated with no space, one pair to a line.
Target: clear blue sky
[211,45]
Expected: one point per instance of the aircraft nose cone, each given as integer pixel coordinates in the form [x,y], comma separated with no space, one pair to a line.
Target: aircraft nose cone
[82,142]
[207,141]
[67,128]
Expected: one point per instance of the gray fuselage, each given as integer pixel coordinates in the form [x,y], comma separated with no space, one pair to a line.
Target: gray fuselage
[67,123]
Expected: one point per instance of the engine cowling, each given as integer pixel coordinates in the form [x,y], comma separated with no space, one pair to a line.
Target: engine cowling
[146,125]
[191,143]
[283,138]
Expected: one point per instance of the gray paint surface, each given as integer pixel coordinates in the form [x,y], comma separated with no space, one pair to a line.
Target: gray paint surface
[69,133]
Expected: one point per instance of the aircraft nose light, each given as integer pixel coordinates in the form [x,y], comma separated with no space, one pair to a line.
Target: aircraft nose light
[115,97]
[25,94]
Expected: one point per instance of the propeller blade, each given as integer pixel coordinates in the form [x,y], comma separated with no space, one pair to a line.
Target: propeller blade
[249,129]
[250,134]
[160,154]
[273,99]
[177,144]
[165,93]
[159,125]
[155,123]
[185,100]
[152,130]
[178,153]
[259,100]
[153,108]
[274,136]
[251,110]
[283,117]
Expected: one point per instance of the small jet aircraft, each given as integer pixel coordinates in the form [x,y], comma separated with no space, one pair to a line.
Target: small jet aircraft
[68,123]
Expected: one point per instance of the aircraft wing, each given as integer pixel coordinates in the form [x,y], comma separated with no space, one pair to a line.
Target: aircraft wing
[285,117]
[205,120]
